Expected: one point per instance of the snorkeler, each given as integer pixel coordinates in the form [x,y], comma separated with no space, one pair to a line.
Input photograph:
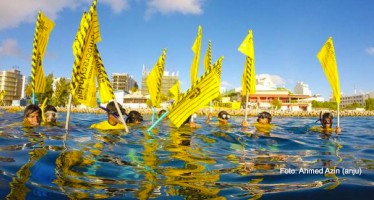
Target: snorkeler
[163,111]
[223,118]
[32,116]
[190,122]
[50,114]
[134,117]
[326,124]
[263,123]
[113,121]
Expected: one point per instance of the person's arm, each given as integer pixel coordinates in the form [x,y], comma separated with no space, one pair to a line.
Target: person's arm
[210,115]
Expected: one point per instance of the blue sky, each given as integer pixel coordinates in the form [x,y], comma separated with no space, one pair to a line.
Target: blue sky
[287,36]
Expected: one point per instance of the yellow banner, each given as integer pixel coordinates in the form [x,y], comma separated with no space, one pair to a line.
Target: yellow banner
[326,56]
[83,85]
[175,91]
[154,80]
[105,87]
[249,74]
[201,93]
[43,29]
[208,57]
[195,62]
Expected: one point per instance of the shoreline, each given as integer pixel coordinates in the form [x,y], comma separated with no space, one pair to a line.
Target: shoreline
[204,111]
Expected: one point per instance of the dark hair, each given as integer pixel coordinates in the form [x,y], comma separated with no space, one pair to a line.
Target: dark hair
[187,120]
[111,107]
[32,108]
[161,113]
[133,116]
[220,115]
[50,108]
[264,115]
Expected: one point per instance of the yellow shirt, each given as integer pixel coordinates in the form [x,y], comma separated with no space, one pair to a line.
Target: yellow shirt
[104,125]
[322,130]
[264,128]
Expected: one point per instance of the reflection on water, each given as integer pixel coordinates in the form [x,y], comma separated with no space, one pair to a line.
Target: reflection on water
[212,162]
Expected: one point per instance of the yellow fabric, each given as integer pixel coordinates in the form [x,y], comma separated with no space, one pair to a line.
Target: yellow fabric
[264,128]
[208,57]
[154,80]
[327,58]
[248,78]
[320,129]
[43,29]
[105,87]
[195,62]
[83,85]
[104,125]
[175,91]
[2,94]
[203,91]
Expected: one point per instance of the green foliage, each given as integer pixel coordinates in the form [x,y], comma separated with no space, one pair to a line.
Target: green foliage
[135,88]
[369,104]
[276,104]
[48,91]
[324,104]
[354,105]
[61,94]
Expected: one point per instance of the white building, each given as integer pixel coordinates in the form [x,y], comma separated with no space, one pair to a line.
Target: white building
[302,88]
[123,81]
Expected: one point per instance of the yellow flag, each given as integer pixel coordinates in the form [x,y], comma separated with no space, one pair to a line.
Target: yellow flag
[83,85]
[248,78]
[195,62]
[105,87]
[154,80]
[204,90]
[43,29]
[208,57]
[175,91]
[326,57]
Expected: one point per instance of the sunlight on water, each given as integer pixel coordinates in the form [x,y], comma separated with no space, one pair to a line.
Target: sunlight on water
[209,162]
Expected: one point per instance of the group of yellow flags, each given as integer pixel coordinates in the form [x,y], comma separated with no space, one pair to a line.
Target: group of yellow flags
[88,67]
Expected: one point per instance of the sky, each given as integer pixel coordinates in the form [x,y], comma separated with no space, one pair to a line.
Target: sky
[287,35]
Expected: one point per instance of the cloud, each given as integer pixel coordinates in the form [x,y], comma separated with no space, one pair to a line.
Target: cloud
[173,6]
[9,47]
[275,80]
[370,51]
[225,84]
[13,13]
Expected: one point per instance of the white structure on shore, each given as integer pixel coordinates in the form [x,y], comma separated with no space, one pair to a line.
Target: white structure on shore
[356,98]
[302,88]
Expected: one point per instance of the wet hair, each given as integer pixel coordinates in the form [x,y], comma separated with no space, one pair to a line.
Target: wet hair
[111,109]
[133,116]
[264,115]
[223,115]
[50,108]
[161,113]
[31,109]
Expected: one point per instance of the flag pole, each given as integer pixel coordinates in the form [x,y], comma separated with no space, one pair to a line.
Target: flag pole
[68,112]
[33,97]
[246,106]
[158,121]
[120,115]
[338,109]
[153,114]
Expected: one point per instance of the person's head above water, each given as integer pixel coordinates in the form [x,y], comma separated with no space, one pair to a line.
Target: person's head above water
[223,117]
[326,120]
[50,114]
[134,117]
[161,113]
[32,115]
[264,118]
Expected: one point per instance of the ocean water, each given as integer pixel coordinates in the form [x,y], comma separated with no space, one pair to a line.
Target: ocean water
[211,162]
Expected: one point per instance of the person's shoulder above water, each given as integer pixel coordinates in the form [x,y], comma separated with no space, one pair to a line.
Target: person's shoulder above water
[105,125]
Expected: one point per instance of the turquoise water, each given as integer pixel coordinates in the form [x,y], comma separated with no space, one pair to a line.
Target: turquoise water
[211,162]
